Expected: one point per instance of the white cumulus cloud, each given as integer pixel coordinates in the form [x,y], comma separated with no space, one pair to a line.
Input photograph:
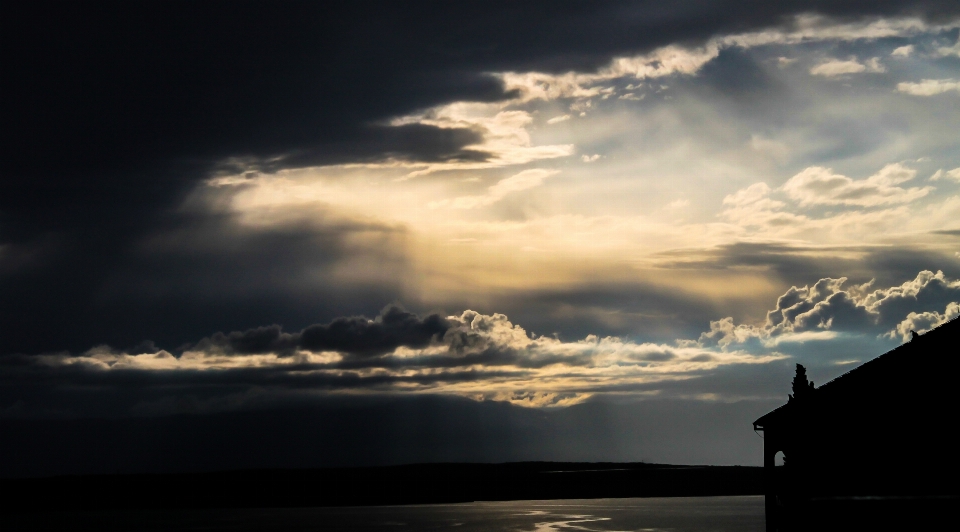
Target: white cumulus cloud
[817,185]
[924,321]
[819,312]
[951,175]
[929,87]
[839,67]
[903,51]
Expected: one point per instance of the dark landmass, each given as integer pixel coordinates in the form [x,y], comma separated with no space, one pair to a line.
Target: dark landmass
[406,484]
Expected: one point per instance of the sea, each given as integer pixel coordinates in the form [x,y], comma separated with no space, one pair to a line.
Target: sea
[676,514]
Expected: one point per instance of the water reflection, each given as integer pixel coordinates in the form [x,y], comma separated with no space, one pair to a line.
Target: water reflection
[686,514]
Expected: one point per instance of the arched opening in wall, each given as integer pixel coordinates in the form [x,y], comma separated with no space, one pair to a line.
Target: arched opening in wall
[780,481]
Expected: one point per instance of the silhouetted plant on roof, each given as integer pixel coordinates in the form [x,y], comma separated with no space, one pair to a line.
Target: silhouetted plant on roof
[801,387]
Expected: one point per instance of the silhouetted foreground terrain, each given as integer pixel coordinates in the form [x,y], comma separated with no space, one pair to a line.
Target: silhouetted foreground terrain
[408,484]
[873,513]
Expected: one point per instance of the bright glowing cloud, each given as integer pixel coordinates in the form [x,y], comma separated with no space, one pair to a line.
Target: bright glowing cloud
[821,186]
[525,180]
[924,321]
[505,136]
[677,60]
[838,67]
[929,87]
[903,51]
[950,175]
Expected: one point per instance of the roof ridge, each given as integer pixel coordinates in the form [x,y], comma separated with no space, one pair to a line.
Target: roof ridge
[872,363]
[890,352]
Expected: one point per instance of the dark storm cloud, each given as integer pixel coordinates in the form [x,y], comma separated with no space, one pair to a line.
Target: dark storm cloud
[358,336]
[790,262]
[32,387]
[413,142]
[890,266]
[641,310]
[54,379]
[193,273]
[785,259]
[113,111]
[115,85]
[736,78]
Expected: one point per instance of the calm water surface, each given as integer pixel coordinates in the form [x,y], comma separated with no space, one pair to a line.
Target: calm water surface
[690,514]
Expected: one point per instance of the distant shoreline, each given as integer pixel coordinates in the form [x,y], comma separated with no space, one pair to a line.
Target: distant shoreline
[379,486]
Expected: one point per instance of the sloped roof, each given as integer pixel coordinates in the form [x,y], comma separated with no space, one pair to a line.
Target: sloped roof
[886,371]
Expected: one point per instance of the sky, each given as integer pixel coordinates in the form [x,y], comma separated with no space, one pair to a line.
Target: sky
[243,234]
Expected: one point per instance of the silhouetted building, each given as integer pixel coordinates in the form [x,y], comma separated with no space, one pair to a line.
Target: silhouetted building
[874,443]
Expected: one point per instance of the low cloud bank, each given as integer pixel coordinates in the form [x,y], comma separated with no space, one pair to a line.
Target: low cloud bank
[486,357]
[480,356]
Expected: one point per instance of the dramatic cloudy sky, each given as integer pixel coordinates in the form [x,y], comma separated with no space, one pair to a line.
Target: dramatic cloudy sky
[251,235]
